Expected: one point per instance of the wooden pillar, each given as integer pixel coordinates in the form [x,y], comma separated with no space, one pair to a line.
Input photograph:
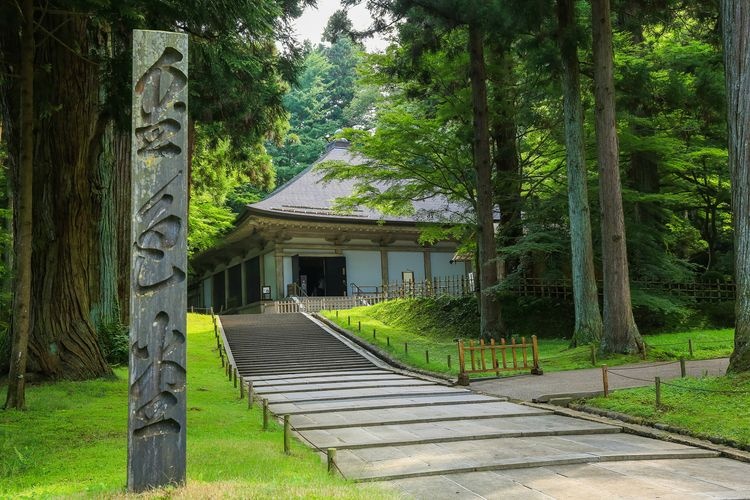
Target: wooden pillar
[384,266]
[280,292]
[244,282]
[427,265]
[226,286]
[158,294]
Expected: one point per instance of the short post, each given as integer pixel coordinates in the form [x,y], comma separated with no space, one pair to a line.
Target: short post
[427,356]
[337,314]
[657,385]
[287,431]
[221,355]
[683,370]
[536,370]
[388,341]
[690,347]
[449,361]
[265,414]
[349,320]
[463,377]
[593,354]
[406,348]
[249,394]
[234,377]
[359,326]
[331,454]
[242,389]
[373,334]
[605,380]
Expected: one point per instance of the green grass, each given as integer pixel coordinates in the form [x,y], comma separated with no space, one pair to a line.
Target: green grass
[554,354]
[72,440]
[697,410]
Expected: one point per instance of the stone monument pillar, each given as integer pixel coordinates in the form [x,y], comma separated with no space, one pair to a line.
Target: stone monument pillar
[158,277]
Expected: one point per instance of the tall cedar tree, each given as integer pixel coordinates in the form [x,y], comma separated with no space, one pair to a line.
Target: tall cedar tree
[81,158]
[588,320]
[620,331]
[22,287]
[736,27]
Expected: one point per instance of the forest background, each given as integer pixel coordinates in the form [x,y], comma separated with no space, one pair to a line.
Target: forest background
[263,107]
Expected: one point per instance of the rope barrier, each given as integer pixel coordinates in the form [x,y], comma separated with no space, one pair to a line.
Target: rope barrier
[631,378]
[644,367]
[700,389]
[316,447]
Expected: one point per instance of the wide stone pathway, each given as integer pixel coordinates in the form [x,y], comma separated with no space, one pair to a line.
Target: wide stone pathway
[427,440]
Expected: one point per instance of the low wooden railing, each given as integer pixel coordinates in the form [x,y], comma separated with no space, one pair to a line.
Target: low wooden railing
[508,359]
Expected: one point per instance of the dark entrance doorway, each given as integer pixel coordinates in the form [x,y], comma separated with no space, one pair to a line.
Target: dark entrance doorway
[320,276]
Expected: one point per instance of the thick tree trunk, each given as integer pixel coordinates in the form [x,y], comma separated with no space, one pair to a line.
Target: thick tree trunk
[22,289]
[736,26]
[66,255]
[620,331]
[588,320]
[506,162]
[491,323]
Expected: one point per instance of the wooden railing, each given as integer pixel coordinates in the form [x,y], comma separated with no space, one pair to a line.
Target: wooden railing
[502,357]
[315,304]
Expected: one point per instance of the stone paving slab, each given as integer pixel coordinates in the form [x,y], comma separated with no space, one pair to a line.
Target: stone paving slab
[377,392]
[327,386]
[705,478]
[398,462]
[432,413]
[324,379]
[385,402]
[326,373]
[452,430]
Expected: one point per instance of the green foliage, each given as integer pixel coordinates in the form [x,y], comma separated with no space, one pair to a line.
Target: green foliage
[318,105]
[114,340]
[72,441]
[224,178]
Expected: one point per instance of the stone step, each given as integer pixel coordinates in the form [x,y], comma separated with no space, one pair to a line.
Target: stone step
[385,402]
[298,380]
[453,430]
[313,387]
[369,393]
[413,460]
[315,375]
[412,414]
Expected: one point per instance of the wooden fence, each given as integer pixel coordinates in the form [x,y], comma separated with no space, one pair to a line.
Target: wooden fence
[508,359]
[563,289]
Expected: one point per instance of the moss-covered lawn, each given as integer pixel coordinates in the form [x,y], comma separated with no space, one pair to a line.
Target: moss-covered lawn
[72,441]
[397,322]
[692,404]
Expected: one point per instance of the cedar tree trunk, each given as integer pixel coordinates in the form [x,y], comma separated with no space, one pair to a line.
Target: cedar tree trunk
[620,331]
[66,256]
[736,26]
[489,306]
[588,320]
[22,290]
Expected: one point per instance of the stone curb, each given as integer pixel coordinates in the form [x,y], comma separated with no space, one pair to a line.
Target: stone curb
[380,353]
[640,427]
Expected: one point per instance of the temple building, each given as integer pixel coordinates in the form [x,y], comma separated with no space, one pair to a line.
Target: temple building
[294,243]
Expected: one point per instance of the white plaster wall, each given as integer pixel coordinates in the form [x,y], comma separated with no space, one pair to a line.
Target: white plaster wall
[269,270]
[362,268]
[441,265]
[405,261]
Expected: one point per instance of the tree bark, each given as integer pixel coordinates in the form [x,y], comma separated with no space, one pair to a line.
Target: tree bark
[620,331]
[736,28]
[504,133]
[489,306]
[22,290]
[588,320]
[66,258]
